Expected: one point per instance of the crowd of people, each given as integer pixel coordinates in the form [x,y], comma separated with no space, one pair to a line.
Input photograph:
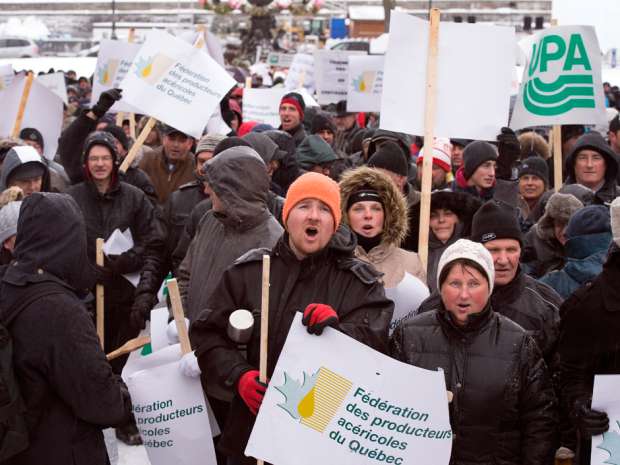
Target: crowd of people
[517,303]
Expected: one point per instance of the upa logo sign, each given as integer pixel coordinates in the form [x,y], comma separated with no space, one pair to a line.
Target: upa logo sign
[562,79]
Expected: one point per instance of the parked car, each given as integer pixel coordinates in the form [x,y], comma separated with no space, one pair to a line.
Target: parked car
[18,47]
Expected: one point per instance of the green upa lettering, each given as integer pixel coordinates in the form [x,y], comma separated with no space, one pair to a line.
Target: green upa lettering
[546,52]
[576,55]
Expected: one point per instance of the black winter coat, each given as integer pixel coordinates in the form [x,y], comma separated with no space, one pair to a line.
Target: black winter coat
[67,385]
[71,146]
[332,276]
[589,342]
[504,408]
[532,305]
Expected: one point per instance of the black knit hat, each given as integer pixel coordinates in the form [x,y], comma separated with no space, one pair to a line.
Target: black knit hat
[475,154]
[296,100]
[390,157]
[495,220]
[321,122]
[535,166]
[33,135]
[230,142]
[119,134]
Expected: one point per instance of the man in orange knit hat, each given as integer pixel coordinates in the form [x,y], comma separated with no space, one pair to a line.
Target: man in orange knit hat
[313,271]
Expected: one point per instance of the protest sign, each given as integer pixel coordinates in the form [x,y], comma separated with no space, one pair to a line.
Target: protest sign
[56,83]
[331,73]
[606,447]
[354,408]
[474,74]
[281,60]
[172,417]
[43,111]
[562,79]
[176,83]
[6,76]
[301,73]
[113,62]
[262,105]
[365,83]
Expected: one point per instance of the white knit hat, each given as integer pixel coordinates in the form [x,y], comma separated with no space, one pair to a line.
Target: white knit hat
[469,250]
[614,211]
[9,214]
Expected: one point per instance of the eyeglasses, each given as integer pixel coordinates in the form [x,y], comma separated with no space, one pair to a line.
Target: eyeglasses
[103,158]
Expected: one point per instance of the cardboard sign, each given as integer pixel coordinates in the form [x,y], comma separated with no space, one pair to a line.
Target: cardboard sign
[172,417]
[474,75]
[562,79]
[331,74]
[113,62]
[301,73]
[365,83]
[351,409]
[606,447]
[176,83]
[43,112]
[56,83]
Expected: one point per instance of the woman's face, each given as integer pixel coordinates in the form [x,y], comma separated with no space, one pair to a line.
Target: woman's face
[442,223]
[465,291]
[366,218]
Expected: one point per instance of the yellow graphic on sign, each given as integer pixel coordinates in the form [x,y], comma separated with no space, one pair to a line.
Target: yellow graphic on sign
[107,72]
[152,68]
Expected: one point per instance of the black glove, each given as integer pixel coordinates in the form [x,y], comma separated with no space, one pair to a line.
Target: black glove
[105,102]
[141,310]
[509,150]
[127,262]
[587,421]
[104,275]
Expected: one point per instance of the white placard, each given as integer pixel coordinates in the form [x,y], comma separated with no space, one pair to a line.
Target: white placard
[113,62]
[263,105]
[474,74]
[301,73]
[118,243]
[172,416]
[56,83]
[606,447]
[175,83]
[597,13]
[562,79]
[331,73]
[365,83]
[336,409]
[43,112]
[282,60]
[6,76]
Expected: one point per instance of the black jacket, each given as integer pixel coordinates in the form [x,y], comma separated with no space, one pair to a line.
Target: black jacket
[298,134]
[65,380]
[532,305]
[71,146]
[123,206]
[504,408]
[332,276]
[589,342]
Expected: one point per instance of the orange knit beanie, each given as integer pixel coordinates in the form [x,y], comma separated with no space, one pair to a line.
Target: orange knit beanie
[313,186]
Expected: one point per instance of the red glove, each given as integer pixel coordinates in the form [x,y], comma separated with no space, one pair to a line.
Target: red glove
[318,316]
[251,390]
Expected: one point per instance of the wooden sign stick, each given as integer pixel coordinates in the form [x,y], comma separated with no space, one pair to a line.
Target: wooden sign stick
[99,293]
[557,157]
[129,346]
[429,127]
[179,316]
[133,151]
[264,324]
[119,119]
[22,105]
[132,117]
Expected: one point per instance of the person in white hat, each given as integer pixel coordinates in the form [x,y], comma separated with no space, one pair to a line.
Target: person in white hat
[499,381]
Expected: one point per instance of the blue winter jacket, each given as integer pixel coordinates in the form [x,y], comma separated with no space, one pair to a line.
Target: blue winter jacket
[585,257]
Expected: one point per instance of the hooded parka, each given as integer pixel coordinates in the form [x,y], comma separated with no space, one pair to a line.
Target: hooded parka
[331,276]
[504,410]
[67,384]
[14,160]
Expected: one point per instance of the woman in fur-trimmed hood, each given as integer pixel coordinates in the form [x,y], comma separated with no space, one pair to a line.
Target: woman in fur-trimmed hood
[376,212]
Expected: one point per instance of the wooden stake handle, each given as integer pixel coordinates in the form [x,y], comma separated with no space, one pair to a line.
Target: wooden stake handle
[22,105]
[557,157]
[119,119]
[99,293]
[132,126]
[128,347]
[137,144]
[132,35]
[264,319]
[429,128]
[179,316]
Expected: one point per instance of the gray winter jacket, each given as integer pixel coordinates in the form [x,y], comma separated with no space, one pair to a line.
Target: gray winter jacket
[239,179]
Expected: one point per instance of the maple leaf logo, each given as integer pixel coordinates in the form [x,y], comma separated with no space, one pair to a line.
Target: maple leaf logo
[611,445]
[295,392]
